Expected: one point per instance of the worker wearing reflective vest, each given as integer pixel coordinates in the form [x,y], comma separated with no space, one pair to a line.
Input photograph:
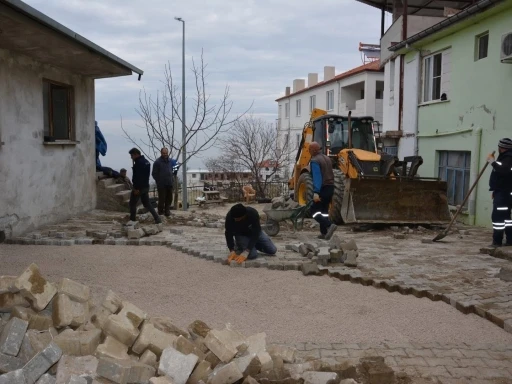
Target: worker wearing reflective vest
[500,183]
[323,188]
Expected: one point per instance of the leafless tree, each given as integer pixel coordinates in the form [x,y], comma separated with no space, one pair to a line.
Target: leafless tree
[252,146]
[162,118]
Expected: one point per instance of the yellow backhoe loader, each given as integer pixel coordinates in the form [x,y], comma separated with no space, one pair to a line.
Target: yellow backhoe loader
[370,188]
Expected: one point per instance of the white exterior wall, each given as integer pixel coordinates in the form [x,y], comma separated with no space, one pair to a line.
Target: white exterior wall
[344,98]
[412,76]
[42,184]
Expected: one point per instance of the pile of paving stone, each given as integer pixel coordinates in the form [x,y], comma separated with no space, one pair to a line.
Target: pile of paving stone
[284,202]
[53,334]
[334,251]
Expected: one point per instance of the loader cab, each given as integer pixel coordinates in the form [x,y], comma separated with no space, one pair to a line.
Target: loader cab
[332,133]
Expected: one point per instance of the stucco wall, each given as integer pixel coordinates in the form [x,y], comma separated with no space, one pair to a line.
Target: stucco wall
[480,98]
[40,184]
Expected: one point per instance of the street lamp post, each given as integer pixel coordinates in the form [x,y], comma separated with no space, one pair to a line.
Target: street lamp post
[184,197]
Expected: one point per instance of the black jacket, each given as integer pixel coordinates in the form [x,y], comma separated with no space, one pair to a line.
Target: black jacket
[163,170]
[501,175]
[141,171]
[249,227]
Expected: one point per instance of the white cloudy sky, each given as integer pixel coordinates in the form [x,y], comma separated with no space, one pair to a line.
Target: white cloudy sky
[256,47]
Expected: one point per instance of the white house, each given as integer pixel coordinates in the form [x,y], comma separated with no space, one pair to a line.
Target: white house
[359,90]
[47,113]
[196,178]
[401,77]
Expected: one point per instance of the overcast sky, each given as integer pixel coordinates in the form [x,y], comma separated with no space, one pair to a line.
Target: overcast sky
[255,47]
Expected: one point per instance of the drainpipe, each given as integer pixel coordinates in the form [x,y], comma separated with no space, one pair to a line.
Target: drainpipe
[419,69]
[339,97]
[477,150]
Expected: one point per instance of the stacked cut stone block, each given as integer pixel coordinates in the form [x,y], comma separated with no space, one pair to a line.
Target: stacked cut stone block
[54,334]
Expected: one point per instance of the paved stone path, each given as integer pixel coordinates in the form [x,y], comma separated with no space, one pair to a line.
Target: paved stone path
[441,363]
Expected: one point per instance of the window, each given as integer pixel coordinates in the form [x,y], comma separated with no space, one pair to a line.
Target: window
[454,168]
[297,106]
[330,100]
[287,110]
[58,111]
[298,140]
[392,75]
[481,46]
[194,175]
[286,140]
[378,94]
[201,176]
[312,103]
[362,94]
[280,111]
[432,77]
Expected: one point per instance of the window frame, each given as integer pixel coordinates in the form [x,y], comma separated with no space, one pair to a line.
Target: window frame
[478,39]
[287,110]
[328,99]
[298,107]
[430,77]
[465,171]
[49,111]
[312,103]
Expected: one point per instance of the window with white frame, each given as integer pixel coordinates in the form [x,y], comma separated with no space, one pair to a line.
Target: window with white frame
[330,100]
[312,103]
[298,106]
[432,77]
[287,110]
[298,140]
[481,46]
[454,168]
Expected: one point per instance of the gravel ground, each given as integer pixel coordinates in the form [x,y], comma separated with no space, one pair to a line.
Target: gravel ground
[286,305]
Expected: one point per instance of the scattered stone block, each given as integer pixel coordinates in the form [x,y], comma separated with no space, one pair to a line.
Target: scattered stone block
[67,312]
[41,363]
[310,269]
[257,343]
[112,302]
[199,328]
[186,347]
[249,365]
[14,377]
[134,314]
[78,343]
[250,380]
[41,321]
[176,365]
[34,342]
[351,258]
[160,380]
[398,236]
[303,250]
[7,284]
[10,363]
[312,377]
[12,336]
[336,255]
[165,325]
[124,371]
[99,316]
[135,233]
[266,361]
[349,246]
[113,349]
[122,329]
[149,358]
[200,373]
[505,274]
[426,240]
[226,374]
[80,366]
[212,359]
[153,339]
[76,291]
[9,300]
[34,287]
[218,343]
[23,313]
[132,224]
[286,353]
[47,379]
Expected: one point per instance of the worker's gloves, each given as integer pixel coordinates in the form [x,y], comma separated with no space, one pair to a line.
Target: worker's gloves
[490,158]
[316,198]
[232,256]
[243,256]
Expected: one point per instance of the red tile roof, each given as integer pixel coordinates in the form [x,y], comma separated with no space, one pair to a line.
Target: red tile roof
[374,66]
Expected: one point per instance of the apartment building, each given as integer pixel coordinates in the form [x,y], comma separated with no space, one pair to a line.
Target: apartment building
[359,90]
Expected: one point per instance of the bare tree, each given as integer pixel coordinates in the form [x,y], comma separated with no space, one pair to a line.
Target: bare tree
[162,118]
[252,146]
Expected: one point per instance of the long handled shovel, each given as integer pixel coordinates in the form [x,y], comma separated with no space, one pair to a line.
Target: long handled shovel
[443,234]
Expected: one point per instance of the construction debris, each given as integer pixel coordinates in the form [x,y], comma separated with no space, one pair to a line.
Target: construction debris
[283,202]
[335,251]
[75,342]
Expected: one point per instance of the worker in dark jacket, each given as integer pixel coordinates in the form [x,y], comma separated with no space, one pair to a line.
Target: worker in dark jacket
[323,189]
[500,183]
[243,223]
[164,170]
[140,179]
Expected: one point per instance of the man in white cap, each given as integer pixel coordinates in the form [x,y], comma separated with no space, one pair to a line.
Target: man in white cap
[500,183]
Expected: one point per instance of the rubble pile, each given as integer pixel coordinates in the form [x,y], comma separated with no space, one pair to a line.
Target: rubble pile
[133,230]
[284,202]
[334,251]
[54,334]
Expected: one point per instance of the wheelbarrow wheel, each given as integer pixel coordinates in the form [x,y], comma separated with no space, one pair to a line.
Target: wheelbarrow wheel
[271,227]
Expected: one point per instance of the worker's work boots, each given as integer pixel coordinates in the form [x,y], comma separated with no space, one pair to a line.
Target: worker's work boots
[331,231]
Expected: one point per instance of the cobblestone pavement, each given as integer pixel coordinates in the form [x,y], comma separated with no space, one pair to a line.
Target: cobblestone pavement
[440,363]
[453,270]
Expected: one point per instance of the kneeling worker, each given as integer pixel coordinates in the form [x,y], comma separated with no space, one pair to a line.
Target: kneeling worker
[243,223]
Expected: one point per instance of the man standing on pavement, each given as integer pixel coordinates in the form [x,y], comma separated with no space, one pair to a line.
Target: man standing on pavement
[500,183]
[323,188]
[243,223]
[141,171]
[163,173]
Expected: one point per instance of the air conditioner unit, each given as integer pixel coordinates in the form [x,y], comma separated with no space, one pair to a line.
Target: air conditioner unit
[506,48]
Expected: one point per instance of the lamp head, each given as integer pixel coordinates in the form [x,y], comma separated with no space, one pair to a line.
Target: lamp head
[178,18]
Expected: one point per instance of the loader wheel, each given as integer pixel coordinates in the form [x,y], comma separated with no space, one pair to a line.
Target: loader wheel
[304,191]
[337,198]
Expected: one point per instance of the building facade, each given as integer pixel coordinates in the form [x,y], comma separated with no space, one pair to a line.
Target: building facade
[359,90]
[196,178]
[462,106]
[47,113]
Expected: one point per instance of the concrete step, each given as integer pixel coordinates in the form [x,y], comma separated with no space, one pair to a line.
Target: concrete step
[116,188]
[123,195]
[107,182]
[100,176]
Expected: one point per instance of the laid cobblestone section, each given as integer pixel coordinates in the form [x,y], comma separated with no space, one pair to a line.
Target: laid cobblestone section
[458,270]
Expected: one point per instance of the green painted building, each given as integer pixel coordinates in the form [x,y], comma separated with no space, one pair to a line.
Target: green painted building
[460,73]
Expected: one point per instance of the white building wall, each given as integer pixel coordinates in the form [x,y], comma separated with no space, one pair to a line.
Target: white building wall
[412,77]
[42,184]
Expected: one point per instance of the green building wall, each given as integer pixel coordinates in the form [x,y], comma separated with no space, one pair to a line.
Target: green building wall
[479,110]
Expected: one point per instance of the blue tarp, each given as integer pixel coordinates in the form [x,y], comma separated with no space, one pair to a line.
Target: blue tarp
[101,144]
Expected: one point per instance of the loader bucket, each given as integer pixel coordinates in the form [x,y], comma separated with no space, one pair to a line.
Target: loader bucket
[395,201]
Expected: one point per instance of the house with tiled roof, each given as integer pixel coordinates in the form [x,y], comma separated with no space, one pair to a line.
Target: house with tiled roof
[359,90]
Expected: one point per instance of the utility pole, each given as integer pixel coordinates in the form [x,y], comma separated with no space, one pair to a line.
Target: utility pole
[184,197]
